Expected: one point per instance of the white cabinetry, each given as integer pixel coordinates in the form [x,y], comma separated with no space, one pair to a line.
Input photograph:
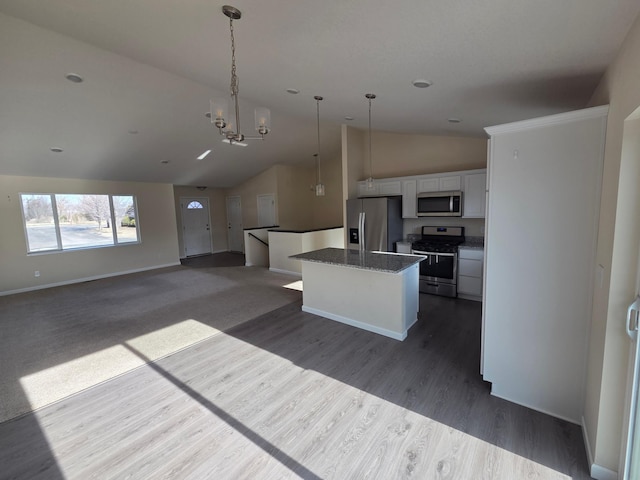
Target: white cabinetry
[381,188]
[470,262]
[363,191]
[439,184]
[409,201]
[474,197]
[389,188]
[450,183]
[542,221]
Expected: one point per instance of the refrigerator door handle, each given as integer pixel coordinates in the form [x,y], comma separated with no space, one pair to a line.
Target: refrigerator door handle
[361,230]
[632,329]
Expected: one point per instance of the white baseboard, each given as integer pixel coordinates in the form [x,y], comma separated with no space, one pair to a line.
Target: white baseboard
[587,444]
[504,396]
[286,272]
[85,279]
[356,323]
[602,473]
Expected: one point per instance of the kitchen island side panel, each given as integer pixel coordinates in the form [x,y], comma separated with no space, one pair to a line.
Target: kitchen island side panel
[381,302]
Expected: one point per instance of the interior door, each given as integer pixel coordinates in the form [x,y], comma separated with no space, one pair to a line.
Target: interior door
[234,224]
[266,210]
[196,230]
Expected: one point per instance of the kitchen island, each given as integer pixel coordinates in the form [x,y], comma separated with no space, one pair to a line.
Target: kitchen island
[374,291]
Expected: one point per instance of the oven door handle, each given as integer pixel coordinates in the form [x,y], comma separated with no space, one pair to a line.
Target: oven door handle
[436,254]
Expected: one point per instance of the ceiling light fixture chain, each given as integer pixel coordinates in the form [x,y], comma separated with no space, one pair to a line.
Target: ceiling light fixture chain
[220,106]
[370,183]
[234,84]
[319,185]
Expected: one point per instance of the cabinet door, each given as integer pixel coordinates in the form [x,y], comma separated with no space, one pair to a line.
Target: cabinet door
[390,188]
[474,196]
[428,184]
[409,200]
[363,191]
[470,285]
[449,183]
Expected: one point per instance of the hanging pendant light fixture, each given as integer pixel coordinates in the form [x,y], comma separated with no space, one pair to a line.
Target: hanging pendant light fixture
[369,184]
[220,106]
[319,184]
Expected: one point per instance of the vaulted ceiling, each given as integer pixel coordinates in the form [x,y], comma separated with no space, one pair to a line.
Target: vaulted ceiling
[151,66]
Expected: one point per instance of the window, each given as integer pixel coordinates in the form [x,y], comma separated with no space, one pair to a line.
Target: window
[194,204]
[68,221]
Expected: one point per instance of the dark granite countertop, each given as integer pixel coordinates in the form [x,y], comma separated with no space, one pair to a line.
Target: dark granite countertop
[284,230]
[475,243]
[381,262]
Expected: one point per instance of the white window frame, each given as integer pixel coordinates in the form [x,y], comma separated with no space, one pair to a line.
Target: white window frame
[56,221]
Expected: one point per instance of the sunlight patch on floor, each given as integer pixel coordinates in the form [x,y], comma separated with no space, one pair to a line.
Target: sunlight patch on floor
[57,382]
[297,285]
[365,433]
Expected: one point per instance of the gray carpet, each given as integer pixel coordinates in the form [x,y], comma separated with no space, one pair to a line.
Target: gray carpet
[59,341]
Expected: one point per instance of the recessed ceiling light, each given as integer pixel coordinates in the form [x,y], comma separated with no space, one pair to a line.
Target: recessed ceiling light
[74,77]
[203,155]
[421,83]
[454,120]
[348,118]
[164,162]
[56,149]
[133,132]
[240,144]
[293,91]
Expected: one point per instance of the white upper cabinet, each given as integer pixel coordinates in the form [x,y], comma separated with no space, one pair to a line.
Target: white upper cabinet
[430,184]
[474,196]
[439,183]
[381,188]
[386,188]
[450,183]
[363,191]
[409,200]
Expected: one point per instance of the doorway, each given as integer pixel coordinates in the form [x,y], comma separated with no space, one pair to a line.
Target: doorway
[234,224]
[196,230]
[266,210]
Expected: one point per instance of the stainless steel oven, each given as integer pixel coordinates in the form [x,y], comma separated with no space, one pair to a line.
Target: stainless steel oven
[439,271]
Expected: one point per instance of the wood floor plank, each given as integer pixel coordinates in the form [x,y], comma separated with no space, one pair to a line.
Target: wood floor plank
[291,395]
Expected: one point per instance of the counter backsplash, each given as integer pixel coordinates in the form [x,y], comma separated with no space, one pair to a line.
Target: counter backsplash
[473,227]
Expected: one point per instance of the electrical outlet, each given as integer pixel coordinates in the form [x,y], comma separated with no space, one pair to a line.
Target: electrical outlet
[37,273]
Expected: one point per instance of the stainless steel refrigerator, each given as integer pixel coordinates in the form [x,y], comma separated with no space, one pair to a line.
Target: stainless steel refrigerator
[374,224]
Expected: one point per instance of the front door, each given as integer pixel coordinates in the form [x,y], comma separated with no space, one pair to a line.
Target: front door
[234,224]
[196,232]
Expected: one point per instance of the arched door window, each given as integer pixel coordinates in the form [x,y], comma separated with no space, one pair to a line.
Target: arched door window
[194,204]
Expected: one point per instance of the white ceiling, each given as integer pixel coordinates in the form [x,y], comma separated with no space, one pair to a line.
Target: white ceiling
[152,65]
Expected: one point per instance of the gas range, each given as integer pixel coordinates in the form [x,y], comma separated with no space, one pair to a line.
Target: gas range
[439,270]
[439,240]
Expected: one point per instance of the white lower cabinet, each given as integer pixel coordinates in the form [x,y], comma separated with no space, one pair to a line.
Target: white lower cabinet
[470,262]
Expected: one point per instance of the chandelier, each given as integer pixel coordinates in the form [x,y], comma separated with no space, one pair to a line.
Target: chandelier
[220,106]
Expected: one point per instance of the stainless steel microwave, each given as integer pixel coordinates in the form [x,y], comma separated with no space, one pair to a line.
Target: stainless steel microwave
[439,204]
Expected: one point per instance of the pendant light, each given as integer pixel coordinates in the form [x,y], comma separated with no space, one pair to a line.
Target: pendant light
[319,184]
[220,106]
[369,183]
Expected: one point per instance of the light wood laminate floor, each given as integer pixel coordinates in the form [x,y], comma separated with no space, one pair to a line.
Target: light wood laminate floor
[292,395]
